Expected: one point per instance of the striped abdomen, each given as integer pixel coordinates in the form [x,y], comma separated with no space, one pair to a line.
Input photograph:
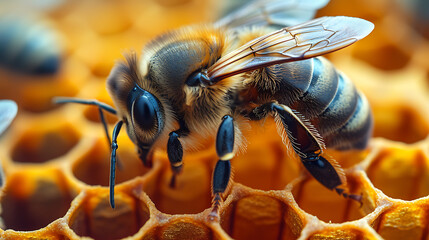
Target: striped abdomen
[327,98]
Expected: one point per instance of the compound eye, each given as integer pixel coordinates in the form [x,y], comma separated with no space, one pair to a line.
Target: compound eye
[144,112]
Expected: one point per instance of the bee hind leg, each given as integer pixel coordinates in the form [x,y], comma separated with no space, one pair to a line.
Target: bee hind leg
[308,145]
[222,171]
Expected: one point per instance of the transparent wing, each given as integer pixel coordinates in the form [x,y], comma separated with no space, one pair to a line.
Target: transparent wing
[272,12]
[8,110]
[307,40]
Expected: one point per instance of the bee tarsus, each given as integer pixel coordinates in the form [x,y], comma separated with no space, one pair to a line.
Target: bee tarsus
[214,213]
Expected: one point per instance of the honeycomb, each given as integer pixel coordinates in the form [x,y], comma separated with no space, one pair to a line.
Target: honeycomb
[56,159]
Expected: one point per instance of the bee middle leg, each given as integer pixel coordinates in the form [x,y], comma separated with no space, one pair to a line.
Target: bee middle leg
[225,152]
[175,155]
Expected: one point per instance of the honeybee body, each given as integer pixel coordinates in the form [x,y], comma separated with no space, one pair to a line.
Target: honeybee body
[200,82]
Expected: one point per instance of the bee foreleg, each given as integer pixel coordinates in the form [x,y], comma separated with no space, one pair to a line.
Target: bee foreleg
[308,145]
[114,146]
[175,155]
[222,172]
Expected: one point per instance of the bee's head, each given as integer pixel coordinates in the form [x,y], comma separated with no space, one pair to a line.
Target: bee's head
[139,104]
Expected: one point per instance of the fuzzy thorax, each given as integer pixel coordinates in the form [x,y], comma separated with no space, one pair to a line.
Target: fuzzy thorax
[205,107]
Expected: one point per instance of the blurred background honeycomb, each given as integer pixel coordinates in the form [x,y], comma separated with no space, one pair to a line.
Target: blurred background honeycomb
[56,159]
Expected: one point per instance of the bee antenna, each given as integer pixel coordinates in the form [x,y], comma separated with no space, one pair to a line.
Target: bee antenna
[112,143]
[101,106]
[59,100]
[113,159]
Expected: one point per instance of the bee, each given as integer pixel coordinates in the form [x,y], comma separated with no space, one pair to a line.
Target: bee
[8,111]
[192,83]
[28,45]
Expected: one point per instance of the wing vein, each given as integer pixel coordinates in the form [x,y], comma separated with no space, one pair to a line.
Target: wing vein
[311,39]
